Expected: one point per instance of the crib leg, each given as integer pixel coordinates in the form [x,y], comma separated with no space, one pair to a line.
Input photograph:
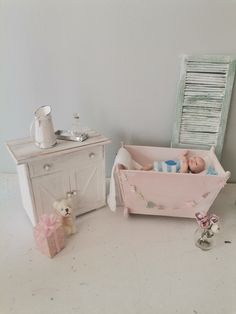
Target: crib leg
[126,212]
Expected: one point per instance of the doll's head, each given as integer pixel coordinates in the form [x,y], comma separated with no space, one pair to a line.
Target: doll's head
[196,164]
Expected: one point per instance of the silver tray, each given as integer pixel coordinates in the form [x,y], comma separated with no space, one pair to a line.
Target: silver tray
[69,136]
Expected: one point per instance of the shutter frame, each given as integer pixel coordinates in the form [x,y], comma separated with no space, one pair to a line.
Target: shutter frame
[211,62]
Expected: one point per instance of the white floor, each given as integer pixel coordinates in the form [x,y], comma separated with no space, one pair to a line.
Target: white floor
[139,265]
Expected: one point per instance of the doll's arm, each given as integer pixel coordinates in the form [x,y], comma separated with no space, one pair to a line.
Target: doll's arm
[147,167]
[184,163]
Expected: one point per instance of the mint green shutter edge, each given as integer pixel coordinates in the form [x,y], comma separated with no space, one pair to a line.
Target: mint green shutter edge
[225,108]
[180,100]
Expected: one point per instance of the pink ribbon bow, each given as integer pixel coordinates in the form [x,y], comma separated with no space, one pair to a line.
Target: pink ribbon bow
[46,225]
[206,221]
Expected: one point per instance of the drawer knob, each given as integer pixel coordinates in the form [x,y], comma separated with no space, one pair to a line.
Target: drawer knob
[47,167]
[71,193]
[91,155]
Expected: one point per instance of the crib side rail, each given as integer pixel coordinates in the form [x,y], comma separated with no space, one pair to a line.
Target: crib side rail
[169,194]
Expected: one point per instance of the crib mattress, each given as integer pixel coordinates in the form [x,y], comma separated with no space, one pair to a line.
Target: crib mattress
[169,194]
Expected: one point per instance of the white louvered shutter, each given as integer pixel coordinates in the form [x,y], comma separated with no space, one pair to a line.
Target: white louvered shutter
[203,102]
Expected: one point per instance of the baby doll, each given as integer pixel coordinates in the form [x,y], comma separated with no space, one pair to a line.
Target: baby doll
[185,164]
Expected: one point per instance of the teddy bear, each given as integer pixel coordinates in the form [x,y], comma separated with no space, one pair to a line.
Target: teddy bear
[65,212]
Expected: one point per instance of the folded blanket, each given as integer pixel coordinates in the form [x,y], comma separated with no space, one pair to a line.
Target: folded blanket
[124,159]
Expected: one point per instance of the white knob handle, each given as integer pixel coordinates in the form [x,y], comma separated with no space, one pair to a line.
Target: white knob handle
[47,167]
[91,155]
[69,194]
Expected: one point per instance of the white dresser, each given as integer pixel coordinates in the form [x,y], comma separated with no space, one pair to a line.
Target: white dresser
[69,169]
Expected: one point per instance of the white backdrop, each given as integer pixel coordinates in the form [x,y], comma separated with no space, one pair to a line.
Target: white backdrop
[116,62]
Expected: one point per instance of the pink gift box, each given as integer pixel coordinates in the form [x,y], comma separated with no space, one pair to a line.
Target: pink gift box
[49,235]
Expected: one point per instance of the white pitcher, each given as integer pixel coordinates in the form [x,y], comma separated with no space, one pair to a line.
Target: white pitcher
[44,135]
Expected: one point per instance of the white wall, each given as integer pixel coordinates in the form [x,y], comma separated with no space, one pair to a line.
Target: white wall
[115,62]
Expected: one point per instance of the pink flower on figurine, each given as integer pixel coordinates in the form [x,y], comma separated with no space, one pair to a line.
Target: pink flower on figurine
[206,221]
[202,220]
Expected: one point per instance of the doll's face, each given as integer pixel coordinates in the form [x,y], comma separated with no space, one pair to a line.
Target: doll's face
[196,164]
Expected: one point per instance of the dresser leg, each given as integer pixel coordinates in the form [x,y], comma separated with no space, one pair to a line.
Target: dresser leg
[126,212]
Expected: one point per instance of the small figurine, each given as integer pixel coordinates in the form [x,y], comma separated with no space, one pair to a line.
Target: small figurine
[185,164]
[66,214]
[208,227]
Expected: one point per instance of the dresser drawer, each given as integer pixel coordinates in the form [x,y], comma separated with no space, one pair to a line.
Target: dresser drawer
[61,162]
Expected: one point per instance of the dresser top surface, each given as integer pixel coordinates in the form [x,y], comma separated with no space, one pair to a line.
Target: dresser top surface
[23,150]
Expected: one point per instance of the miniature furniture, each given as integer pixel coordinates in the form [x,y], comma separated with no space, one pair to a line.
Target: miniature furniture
[70,169]
[166,193]
[203,102]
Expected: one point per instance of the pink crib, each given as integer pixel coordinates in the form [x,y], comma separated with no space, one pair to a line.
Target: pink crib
[169,194]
